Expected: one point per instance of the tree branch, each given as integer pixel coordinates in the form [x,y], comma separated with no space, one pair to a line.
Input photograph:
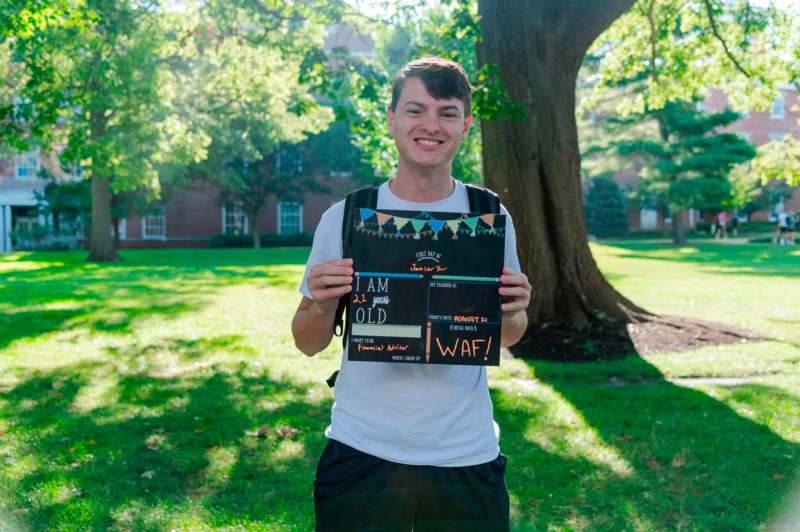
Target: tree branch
[653,40]
[266,11]
[715,31]
[589,18]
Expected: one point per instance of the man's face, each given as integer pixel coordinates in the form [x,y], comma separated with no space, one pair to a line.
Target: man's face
[427,131]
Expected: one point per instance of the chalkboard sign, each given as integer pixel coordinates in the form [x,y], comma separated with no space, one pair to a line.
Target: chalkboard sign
[425,288]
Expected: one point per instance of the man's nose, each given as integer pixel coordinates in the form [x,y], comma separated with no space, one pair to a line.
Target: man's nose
[431,123]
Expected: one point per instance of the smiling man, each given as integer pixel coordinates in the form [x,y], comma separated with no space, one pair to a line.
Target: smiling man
[410,446]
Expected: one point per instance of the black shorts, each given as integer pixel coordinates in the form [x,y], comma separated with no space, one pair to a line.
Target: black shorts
[358,491]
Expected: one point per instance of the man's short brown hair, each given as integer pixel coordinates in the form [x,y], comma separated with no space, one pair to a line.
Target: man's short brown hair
[442,79]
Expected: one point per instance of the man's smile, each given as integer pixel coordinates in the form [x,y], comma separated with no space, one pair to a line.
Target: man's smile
[428,141]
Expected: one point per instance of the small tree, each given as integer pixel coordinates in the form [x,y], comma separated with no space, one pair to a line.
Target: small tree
[689,164]
[65,202]
[604,208]
[241,89]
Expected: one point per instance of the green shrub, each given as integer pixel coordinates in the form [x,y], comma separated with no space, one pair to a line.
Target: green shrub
[43,238]
[605,209]
[703,227]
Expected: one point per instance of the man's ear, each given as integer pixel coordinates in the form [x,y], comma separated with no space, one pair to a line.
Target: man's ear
[467,123]
[390,119]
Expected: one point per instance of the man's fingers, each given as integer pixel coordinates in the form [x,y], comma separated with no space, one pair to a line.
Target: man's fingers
[512,291]
[513,306]
[330,293]
[327,269]
[332,280]
[514,279]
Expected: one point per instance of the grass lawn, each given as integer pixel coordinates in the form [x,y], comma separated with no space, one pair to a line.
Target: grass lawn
[131,393]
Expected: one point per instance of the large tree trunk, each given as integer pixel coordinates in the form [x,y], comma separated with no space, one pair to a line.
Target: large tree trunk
[102,246]
[678,230]
[115,227]
[534,164]
[255,230]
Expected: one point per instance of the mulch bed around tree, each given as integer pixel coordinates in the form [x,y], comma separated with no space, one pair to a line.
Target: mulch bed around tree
[654,335]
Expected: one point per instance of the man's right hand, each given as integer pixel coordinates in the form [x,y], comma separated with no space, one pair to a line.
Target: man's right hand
[328,281]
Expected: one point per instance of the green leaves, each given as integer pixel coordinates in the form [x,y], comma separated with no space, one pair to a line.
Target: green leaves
[685,163]
[669,50]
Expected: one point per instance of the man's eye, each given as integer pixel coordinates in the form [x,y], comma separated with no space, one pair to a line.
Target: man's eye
[450,115]
[412,112]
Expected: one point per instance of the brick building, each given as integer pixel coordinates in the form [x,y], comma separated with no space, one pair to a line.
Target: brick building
[18,204]
[759,127]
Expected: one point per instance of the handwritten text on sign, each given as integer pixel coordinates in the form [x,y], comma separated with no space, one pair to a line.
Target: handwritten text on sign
[426,288]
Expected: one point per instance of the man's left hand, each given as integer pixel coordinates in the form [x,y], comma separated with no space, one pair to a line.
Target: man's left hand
[516,291]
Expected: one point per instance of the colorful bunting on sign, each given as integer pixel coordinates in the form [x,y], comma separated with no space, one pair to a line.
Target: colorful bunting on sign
[436,225]
[421,221]
[471,223]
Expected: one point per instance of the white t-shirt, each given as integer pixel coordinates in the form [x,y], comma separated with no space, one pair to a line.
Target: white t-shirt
[782,216]
[411,413]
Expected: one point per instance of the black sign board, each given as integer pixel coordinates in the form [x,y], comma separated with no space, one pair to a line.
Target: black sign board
[425,288]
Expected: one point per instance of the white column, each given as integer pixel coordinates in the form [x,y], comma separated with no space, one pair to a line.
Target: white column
[5,228]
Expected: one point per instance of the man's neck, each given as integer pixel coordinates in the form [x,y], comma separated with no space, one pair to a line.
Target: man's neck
[420,186]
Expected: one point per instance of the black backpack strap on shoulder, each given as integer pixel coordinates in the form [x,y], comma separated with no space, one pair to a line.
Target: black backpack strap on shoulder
[366,197]
[482,200]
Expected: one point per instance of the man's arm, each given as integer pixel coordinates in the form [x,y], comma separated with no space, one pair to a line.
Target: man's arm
[312,325]
[516,292]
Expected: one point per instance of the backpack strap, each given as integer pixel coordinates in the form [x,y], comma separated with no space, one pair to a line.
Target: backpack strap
[366,197]
[482,200]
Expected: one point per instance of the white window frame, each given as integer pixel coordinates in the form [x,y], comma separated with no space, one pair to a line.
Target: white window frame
[778,107]
[648,219]
[146,235]
[776,136]
[123,229]
[245,225]
[34,164]
[281,206]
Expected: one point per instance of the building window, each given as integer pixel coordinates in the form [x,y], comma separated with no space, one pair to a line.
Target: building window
[745,135]
[290,218]
[648,219]
[27,165]
[123,229]
[777,135]
[154,226]
[234,221]
[777,109]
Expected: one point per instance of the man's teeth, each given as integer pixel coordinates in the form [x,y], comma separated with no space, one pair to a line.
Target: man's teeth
[429,142]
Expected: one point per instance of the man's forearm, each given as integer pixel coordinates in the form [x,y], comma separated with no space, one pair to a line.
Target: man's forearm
[312,327]
[513,327]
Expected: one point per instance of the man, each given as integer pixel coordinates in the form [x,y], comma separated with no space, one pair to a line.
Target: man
[410,445]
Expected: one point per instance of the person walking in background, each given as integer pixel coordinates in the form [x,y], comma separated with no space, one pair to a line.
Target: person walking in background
[722,222]
[791,223]
[735,224]
[781,229]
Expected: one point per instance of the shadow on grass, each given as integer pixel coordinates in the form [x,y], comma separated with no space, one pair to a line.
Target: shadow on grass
[42,293]
[158,452]
[734,259]
[690,461]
